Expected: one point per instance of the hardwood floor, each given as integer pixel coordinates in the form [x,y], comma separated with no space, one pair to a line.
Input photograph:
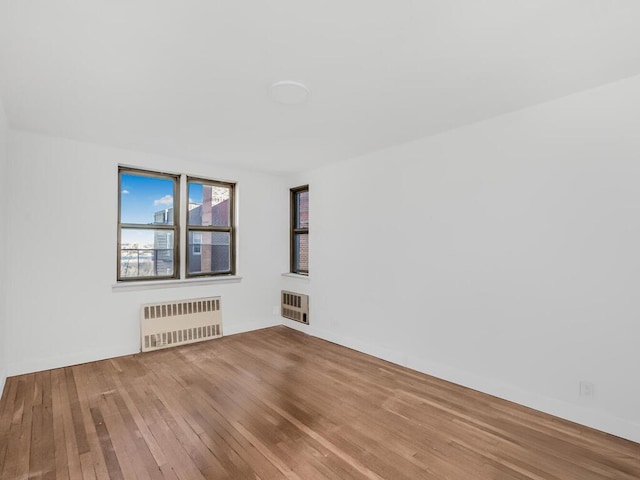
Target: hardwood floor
[277,404]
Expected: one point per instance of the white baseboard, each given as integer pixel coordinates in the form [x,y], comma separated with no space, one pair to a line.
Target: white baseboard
[58,361]
[250,326]
[575,413]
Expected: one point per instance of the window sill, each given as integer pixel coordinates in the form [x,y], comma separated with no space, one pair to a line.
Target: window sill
[296,275]
[185,282]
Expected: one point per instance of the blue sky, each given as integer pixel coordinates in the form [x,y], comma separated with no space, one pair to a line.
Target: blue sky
[142,196]
[195,193]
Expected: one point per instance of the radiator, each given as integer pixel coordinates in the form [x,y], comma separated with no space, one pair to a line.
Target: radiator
[295,306]
[180,322]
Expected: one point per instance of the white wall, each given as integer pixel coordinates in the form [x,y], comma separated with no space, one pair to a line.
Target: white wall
[3,210]
[62,221]
[501,256]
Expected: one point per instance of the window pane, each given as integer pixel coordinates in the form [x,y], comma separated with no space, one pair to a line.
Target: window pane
[195,242]
[214,254]
[209,205]
[146,253]
[146,200]
[301,252]
[302,212]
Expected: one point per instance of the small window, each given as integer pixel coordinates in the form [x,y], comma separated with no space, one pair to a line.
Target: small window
[210,228]
[300,230]
[196,247]
[147,225]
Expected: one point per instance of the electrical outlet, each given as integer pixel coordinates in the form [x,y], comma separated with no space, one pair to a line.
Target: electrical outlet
[587,389]
[276,310]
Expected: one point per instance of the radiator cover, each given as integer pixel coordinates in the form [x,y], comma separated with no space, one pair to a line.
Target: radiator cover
[179,322]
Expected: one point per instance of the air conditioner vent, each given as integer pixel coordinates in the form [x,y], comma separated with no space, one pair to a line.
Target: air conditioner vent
[295,306]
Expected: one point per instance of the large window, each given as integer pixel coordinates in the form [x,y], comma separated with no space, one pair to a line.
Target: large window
[210,228]
[147,225]
[300,230]
[150,231]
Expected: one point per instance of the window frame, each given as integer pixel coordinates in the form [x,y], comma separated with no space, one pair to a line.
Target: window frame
[231,229]
[295,231]
[175,227]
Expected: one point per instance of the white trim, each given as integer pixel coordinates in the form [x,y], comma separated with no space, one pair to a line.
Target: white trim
[186,282]
[248,326]
[582,415]
[59,361]
[296,275]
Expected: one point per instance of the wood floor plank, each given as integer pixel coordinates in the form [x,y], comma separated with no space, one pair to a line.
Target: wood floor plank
[87,397]
[7,406]
[208,402]
[42,453]
[63,412]
[8,468]
[111,460]
[60,442]
[76,413]
[88,466]
[24,442]
[146,437]
[140,449]
[239,443]
[277,404]
[119,446]
[7,403]
[19,402]
[171,448]
[191,443]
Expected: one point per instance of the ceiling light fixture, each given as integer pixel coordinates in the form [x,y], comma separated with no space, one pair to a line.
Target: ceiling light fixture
[288,92]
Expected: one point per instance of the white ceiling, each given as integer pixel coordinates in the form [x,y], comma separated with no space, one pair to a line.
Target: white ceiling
[190,78]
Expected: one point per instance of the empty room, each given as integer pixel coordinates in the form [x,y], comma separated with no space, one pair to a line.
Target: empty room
[292,239]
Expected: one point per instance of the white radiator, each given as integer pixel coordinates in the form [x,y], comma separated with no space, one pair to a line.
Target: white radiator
[168,324]
[295,306]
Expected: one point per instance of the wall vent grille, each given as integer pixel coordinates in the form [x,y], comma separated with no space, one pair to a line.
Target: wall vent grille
[295,306]
[180,322]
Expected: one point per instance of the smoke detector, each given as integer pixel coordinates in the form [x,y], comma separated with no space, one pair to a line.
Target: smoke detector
[289,92]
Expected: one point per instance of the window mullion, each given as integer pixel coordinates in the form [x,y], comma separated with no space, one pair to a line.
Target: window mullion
[208,228]
[183,225]
[139,226]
